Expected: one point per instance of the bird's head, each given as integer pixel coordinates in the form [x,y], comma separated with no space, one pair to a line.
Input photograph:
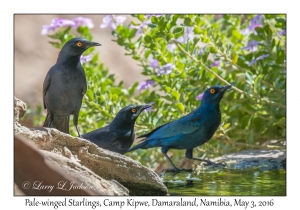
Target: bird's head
[131,113]
[76,46]
[214,94]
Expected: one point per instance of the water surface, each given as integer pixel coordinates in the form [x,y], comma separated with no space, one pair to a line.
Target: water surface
[227,182]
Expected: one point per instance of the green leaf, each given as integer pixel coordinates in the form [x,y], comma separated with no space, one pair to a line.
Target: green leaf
[106,113]
[249,78]
[174,20]
[162,23]
[132,33]
[257,84]
[160,34]
[147,53]
[260,32]
[204,56]
[147,39]
[176,95]
[212,50]
[250,138]
[235,58]
[178,32]
[215,69]
[226,126]
[170,36]
[197,20]
[151,25]
[56,44]
[188,22]
[236,34]
[180,65]
[133,88]
[182,75]
[116,90]
[114,98]
[180,106]
[120,42]
[90,95]
[196,40]
[154,19]
[140,17]
[205,39]
[197,30]
[168,89]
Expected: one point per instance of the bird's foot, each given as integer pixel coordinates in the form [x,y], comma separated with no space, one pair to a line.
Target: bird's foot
[49,132]
[79,135]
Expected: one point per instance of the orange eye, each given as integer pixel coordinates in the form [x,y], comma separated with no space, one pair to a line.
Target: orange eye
[133,110]
[79,44]
[212,91]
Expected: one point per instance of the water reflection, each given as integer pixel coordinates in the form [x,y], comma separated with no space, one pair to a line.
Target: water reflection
[227,182]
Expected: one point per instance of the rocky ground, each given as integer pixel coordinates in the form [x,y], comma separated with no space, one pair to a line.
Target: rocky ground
[78,159]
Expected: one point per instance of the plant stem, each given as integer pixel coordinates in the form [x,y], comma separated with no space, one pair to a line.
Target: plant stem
[228,59]
[274,29]
[223,80]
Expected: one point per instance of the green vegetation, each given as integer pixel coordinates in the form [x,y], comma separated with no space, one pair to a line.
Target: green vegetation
[183,55]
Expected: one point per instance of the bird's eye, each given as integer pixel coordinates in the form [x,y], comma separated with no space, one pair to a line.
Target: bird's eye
[79,44]
[212,91]
[133,110]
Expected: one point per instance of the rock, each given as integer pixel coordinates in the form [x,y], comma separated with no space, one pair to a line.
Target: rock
[17,190]
[109,165]
[85,175]
[19,110]
[266,159]
[35,176]
[106,164]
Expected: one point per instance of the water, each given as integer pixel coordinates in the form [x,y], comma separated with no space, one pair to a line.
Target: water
[227,182]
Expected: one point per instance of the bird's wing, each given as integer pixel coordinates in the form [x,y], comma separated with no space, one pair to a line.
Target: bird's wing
[46,85]
[148,134]
[102,137]
[84,89]
[185,125]
[84,84]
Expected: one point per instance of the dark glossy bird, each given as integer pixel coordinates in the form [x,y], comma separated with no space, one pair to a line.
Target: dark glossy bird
[65,84]
[190,131]
[119,135]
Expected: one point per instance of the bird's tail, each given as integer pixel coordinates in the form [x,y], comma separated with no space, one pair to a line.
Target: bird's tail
[145,145]
[61,123]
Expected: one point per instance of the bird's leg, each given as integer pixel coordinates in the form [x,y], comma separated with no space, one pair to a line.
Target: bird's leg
[51,119]
[164,150]
[189,155]
[51,116]
[75,121]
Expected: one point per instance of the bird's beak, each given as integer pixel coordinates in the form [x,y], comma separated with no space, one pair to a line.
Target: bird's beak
[145,106]
[91,44]
[226,88]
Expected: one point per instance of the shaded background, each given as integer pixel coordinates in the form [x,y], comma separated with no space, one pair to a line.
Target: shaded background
[34,56]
